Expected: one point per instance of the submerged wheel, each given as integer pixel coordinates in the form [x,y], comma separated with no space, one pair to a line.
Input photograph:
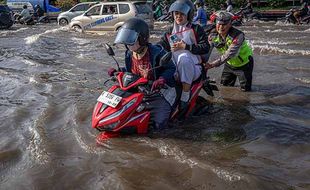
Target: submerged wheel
[202,106]
[77,28]
[63,22]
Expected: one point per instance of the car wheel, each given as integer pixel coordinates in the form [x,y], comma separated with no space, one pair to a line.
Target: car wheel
[63,22]
[77,28]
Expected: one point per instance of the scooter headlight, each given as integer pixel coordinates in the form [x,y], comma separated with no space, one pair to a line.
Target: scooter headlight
[109,127]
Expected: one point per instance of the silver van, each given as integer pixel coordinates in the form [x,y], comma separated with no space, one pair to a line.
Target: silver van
[110,16]
[64,18]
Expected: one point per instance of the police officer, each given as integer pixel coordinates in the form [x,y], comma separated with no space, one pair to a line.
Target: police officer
[236,54]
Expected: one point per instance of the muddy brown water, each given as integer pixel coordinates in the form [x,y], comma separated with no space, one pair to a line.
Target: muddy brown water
[50,79]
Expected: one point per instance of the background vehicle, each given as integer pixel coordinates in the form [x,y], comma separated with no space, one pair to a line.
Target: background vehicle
[289,17]
[51,11]
[112,15]
[6,17]
[65,18]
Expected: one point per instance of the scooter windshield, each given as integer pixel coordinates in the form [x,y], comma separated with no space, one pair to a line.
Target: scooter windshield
[126,36]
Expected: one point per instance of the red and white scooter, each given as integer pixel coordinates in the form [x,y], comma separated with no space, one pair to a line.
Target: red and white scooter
[122,109]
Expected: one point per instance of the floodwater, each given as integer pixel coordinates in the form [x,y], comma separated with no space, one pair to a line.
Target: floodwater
[50,79]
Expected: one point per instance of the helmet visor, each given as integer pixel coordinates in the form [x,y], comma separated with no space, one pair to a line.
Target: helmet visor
[126,36]
[180,7]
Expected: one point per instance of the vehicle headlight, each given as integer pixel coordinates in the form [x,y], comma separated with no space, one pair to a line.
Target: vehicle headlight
[109,127]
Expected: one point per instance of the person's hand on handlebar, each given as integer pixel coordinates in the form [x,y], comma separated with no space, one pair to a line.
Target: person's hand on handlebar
[159,83]
[111,72]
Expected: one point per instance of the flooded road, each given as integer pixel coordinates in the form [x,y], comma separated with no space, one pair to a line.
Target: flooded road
[50,79]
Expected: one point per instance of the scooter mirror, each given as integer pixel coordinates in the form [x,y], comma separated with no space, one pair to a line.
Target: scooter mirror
[165,59]
[109,49]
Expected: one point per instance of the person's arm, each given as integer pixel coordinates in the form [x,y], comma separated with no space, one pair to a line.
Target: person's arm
[229,8]
[23,13]
[197,17]
[232,51]
[303,6]
[167,71]
[164,42]
[202,46]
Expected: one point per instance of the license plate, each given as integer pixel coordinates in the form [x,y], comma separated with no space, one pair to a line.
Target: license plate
[109,99]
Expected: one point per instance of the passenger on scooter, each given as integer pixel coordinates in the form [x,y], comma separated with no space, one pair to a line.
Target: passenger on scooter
[201,16]
[24,15]
[303,11]
[187,42]
[235,52]
[141,58]
[39,12]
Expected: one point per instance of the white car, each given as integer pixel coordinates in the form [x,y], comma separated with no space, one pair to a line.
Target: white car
[112,15]
[64,18]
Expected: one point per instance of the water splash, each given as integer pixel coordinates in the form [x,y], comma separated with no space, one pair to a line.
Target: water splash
[32,39]
[36,146]
[271,49]
[308,30]
[272,42]
[304,80]
[176,153]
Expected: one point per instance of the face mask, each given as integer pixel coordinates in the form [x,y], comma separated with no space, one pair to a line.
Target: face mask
[134,47]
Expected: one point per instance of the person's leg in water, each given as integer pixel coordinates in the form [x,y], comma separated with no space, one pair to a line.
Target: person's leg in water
[187,73]
[245,75]
[297,16]
[160,112]
[228,77]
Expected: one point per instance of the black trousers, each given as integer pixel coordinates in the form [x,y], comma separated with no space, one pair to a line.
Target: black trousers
[244,74]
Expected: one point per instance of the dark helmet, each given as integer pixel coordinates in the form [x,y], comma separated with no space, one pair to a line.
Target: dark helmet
[132,30]
[200,3]
[37,6]
[25,7]
[184,6]
[223,17]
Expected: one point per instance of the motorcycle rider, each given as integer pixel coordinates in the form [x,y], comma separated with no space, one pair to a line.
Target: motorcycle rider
[201,16]
[39,12]
[187,42]
[298,14]
[140,58]
[235,52]
[24,15]
[229,6]
[248,9]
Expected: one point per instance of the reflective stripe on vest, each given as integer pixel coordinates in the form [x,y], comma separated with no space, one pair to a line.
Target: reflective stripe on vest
[244,52]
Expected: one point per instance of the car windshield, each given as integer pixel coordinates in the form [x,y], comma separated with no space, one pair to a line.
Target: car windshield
[143,8]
